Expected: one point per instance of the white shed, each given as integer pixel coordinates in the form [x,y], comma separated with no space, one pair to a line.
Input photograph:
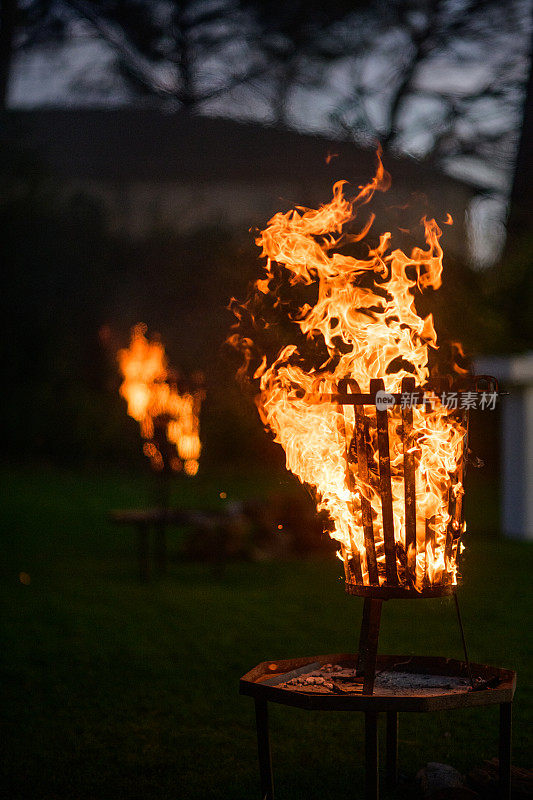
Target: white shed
[515,374]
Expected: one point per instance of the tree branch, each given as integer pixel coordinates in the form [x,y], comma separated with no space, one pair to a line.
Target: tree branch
[421,48]
[131,61]
[8,20]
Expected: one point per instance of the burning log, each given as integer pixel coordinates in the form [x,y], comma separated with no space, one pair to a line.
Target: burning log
[361,439]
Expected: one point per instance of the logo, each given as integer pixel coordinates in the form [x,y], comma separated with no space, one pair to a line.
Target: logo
[384,400]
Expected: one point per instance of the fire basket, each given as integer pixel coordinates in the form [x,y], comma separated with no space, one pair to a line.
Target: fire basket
[167,409]
[390,566]
[400,560]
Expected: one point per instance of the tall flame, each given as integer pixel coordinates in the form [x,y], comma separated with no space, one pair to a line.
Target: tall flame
[362,325]
[153,399]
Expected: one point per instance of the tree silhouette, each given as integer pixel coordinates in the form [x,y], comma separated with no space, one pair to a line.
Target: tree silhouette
[431,79]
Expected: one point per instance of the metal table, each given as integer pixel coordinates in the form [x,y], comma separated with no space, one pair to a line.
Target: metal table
[263,684]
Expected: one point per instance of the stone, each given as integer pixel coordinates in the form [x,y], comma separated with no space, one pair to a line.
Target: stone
[435,778]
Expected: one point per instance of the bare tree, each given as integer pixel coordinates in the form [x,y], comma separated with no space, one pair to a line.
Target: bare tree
[185,52]
[441,80]
[179,53]
[295,43]
[432,77]
[8,22]
[521,196]
[510,282]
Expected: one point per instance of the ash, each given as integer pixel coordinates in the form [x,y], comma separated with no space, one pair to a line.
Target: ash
[389,682]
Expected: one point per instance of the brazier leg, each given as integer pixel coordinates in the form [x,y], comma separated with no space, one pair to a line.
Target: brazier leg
[363,637]
[161,549]
[142,542]
[392,749]
[263,747]
[371,756]
[506,711]
[368,643]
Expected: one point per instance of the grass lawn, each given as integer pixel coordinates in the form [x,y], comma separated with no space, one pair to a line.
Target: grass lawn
[117,690]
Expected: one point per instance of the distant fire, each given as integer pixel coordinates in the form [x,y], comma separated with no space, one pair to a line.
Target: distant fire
[169,420]
[344,321]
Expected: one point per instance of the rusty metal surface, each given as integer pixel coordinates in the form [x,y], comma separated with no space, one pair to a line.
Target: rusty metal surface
[368,643]
[409,465]
[502,684]
[399,592]
[468,383]
[382,421]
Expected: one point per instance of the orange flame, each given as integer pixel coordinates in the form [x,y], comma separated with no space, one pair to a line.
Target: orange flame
[151,393]
[362,325]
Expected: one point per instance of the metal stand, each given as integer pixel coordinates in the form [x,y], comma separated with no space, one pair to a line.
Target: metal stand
[497,688]
[506,731]
[371,756]
[143,552]
[263,748]
[391,752]
[161,548]
[368,643]
[369,639]
[372,752]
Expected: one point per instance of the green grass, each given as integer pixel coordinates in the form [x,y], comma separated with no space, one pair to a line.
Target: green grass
[117,690]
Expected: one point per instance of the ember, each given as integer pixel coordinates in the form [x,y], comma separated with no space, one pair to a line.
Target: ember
[169,420]
[390,480]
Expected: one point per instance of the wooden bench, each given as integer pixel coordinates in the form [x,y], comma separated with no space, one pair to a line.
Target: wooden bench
[157,520]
